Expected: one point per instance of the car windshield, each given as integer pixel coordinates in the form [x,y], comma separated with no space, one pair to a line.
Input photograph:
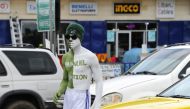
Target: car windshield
[179,90]
[160,63]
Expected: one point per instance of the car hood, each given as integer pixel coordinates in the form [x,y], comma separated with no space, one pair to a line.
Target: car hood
[118,83]
[153,103]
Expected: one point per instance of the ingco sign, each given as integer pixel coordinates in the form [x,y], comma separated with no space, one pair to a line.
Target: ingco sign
[126,8]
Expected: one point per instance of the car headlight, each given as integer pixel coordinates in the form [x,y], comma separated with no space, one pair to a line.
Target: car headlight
[111,98]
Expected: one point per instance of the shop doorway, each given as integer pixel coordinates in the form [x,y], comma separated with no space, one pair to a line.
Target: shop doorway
[123,43]
[137,39]
[130,34]
[125,40]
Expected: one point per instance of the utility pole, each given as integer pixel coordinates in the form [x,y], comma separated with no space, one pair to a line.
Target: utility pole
[57,24]
[57,16]
[50,27]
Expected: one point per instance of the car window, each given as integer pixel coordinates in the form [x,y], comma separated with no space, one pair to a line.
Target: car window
[161,62]
[32,63]
[182,88]
[183,71]
[3,71]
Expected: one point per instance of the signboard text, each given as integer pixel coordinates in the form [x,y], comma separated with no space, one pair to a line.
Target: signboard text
[126,8]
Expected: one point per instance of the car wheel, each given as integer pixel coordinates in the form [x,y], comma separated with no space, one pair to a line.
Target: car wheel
[20,104]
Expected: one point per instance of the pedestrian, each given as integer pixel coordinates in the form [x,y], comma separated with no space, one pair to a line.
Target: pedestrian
[80,67]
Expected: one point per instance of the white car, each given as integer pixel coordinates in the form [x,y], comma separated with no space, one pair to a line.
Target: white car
[149,77]
[29,78]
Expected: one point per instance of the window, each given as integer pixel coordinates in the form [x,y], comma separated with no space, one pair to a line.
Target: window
[30,33]
[111,34]
[111,26]
[32,63]
[162,62]
[182,88]
[3,71]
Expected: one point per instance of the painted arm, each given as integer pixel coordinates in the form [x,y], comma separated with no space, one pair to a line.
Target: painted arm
[64,82]
[97,75]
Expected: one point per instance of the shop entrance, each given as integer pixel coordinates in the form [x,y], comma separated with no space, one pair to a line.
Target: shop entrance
[130,34]
[125,40]
[137,39]
[123,43]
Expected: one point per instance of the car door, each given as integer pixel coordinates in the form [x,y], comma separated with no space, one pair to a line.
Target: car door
[35,71]
[5,78]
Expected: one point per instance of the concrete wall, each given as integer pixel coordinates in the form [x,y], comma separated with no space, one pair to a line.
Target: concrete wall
[105,10]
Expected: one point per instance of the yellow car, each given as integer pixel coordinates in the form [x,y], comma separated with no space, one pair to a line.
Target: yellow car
[175,97]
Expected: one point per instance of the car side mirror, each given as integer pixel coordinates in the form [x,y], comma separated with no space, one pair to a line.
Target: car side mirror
[182,75]
[188,71]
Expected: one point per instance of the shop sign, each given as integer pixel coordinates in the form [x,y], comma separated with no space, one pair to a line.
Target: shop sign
[31,7]
[4,6]
[83,8]
[110,70]
[126,8]
[43,15]
[165,8]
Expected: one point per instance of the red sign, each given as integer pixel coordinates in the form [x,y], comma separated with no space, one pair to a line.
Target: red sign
[5,6]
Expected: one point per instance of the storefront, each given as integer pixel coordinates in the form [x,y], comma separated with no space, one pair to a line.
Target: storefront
[112,26]
[124,35]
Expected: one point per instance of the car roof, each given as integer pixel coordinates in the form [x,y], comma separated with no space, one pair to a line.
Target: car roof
[23,47]
[178,46]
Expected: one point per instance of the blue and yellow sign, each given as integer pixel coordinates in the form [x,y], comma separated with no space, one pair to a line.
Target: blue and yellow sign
[126,8]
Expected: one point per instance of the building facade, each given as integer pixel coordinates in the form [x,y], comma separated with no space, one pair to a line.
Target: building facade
[112,26]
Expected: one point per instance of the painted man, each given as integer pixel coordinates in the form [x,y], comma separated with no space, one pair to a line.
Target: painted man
[80,66]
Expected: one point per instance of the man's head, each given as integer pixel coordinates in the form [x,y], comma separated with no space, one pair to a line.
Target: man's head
[74,34]
[75,29]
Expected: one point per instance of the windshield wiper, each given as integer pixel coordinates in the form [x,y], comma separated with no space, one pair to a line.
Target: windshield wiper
[160,96]
[128,73]
[146,72]
[179,96]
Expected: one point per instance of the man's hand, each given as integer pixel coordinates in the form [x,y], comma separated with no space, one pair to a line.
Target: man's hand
[56,97]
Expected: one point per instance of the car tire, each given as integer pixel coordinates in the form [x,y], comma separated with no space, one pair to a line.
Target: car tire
[21,104]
